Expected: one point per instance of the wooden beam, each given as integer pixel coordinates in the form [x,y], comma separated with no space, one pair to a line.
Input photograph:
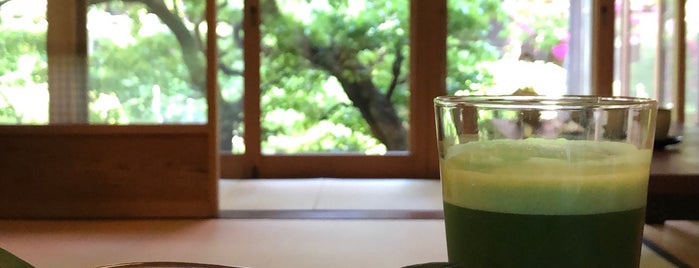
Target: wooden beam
[428,63]
[602,47]
[252,94]
[66,46]
[88,171]
[212,103]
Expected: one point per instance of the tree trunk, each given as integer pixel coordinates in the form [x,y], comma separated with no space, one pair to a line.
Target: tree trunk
[193,57]
[376,107]
[378,110]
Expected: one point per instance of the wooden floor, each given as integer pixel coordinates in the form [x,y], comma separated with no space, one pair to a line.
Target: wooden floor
[326,198]
[679,238]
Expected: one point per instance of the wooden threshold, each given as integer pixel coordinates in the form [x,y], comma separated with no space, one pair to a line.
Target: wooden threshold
[334,214]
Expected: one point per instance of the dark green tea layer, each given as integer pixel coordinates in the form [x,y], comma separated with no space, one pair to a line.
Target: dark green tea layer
[488,239]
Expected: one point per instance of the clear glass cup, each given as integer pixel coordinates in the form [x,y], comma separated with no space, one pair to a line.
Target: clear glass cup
[536,181]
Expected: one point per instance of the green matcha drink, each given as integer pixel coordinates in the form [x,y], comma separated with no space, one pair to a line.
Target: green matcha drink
[544,203]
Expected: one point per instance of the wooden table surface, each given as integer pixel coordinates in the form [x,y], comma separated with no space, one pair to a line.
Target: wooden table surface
[673,191]
[257,243]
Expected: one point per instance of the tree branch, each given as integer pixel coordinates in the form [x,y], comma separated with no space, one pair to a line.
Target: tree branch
[238,34]
[4,2]
[198,36]
[93,2]
[175,7]
[396,70]
[228,70]
[341,61]
[191,55]
[10,106]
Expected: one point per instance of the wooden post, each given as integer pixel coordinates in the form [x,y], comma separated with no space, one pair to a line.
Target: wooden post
[428,61]
[602,47]
[66,46]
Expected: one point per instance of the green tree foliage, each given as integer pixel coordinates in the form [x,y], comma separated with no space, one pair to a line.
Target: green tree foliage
[355,46]
[334,73]
[367,53]
[150,74]
[17,48]
[475,35]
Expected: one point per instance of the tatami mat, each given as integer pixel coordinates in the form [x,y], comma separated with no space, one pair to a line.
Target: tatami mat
[330,193]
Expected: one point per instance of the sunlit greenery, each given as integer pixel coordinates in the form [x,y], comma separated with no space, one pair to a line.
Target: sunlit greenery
[23,68]
[334,74]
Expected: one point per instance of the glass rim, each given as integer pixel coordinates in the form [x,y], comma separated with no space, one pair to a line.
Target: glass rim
[544,102]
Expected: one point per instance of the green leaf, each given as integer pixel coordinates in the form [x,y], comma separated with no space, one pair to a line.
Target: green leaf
[8,260]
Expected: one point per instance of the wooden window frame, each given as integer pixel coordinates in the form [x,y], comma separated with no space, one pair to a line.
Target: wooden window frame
[71,169]
[428,32]
[678,57]
[427,80]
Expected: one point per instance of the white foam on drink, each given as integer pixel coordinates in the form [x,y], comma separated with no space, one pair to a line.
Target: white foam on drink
[546,177]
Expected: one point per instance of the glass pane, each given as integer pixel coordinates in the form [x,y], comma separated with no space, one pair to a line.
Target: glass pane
[142,70]
[637,44]
[334,76]
[500,46]
[692,98]
[23,68]
[230,76]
